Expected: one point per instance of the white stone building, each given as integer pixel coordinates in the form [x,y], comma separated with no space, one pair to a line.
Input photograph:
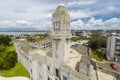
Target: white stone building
[113,48]
[59,62]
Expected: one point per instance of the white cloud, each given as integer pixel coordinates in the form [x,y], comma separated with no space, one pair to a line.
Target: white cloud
[25,24]
[77,24]
[81,2]
[113,23]
[38,13]
[80,14]
[92,23]
[96,23]
[112,8]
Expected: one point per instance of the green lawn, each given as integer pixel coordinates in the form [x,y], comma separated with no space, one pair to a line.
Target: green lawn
[18,70]
[10,48]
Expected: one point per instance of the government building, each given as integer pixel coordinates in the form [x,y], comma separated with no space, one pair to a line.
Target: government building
[58,62]
[56,59]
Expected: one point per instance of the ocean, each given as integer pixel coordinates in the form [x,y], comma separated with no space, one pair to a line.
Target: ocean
[21,33]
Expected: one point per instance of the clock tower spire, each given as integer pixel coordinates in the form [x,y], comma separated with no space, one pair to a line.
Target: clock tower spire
[61,35]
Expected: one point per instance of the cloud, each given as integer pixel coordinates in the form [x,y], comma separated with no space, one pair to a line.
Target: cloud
[93,23]
[79,24]
[24,9]
[81,2]
[113,23]
[80,14]
[94,8]
[112,8]
[21,24]
[38,13]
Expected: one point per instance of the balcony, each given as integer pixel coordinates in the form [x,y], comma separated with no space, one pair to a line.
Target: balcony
[58,35]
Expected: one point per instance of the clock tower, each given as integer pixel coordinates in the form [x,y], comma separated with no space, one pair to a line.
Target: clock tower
[61,35]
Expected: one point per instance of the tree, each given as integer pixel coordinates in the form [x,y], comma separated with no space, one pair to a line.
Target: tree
[7,59]
[94,44]
[5,40]
[2,48]
[97,42]
[103,42]
[79,38]
[74,39]
[78,33]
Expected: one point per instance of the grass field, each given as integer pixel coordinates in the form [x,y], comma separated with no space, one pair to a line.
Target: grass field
[10,48]
[18,70]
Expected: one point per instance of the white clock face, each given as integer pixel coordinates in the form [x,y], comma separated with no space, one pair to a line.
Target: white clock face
[57,25]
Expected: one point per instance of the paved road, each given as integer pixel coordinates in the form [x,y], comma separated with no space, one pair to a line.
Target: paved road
[107,69]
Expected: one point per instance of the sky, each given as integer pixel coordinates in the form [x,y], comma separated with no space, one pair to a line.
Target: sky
[37,14]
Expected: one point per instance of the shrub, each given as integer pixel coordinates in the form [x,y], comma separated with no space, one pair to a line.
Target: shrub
[2,48]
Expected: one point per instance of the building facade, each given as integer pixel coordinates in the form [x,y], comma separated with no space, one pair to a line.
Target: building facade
[113,48]
[56,59]
[59,62]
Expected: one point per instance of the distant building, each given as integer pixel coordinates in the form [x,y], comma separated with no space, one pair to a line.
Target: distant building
[113,48]
[102,34]
[86,34]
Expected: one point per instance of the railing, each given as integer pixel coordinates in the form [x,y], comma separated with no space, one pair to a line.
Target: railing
[61,35]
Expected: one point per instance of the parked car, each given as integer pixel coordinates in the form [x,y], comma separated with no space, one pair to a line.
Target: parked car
[113,65]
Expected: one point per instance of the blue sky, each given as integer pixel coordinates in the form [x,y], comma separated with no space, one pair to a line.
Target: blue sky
[36,14]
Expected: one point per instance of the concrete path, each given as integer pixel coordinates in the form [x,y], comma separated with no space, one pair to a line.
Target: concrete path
[14,78]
